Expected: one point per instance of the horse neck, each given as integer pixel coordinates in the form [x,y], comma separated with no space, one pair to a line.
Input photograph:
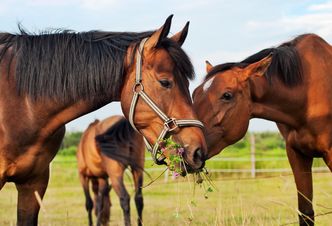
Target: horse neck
[276,102]
[60,114]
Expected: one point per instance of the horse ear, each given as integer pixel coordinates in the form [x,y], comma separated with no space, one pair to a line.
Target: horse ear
[257,69]
[208,66]
[180,37]
[159,35]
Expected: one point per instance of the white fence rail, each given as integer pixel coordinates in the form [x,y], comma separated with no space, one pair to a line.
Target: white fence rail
[252,170]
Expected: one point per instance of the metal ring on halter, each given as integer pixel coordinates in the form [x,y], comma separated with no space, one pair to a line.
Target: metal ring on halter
[171,125]
[138,84]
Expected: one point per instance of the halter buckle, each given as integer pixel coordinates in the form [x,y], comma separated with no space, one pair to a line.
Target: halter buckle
[138,87]
[171,124]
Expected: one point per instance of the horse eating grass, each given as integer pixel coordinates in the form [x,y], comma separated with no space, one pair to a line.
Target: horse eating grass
[49,79]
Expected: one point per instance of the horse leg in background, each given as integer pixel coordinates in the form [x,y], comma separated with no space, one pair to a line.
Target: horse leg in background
[94,182]
[103,202]
[301,167]
[138,180]
[27,204]
[115,171]
[88,201]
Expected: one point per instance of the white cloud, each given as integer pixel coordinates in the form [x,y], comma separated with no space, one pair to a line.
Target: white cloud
[321,6]
[319,23]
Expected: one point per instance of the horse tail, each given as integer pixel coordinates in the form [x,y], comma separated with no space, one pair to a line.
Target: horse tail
[119,136]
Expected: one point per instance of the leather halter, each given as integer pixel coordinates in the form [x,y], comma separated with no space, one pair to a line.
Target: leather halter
[170,124]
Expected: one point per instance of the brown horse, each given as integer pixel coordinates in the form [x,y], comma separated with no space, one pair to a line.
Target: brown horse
[50,79]
[106,149]
[290,85]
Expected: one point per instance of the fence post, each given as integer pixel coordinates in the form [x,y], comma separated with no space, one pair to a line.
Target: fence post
[252,153]
[166,176]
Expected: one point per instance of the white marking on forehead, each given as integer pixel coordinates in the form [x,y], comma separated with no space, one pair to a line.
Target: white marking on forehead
[207,84]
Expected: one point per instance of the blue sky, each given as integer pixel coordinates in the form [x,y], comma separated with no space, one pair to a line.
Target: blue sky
[220,31]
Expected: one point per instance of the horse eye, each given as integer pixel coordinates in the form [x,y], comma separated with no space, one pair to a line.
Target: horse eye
[227,96]
[165,83]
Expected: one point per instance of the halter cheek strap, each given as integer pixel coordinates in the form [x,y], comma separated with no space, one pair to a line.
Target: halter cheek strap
[170,124]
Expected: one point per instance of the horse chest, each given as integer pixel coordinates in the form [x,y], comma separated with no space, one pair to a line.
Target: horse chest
[26,166]
[27,160]
[307,143]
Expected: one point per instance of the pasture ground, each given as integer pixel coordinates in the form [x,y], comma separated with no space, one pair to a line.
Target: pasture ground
[266,200]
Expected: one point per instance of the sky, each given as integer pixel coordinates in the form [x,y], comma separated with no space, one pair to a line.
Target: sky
[220,31]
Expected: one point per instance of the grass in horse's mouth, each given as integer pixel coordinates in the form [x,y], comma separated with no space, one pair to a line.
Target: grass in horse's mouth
[174,156]
[176,164]
[173,153]
[202,178]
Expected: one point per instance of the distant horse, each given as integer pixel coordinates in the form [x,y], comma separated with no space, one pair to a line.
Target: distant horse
[290,85]
[106,149]
[50,79]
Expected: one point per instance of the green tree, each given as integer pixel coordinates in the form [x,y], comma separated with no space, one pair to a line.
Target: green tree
[70,143]
[71,139]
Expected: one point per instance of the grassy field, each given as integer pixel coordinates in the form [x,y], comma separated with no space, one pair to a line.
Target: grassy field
[269,200]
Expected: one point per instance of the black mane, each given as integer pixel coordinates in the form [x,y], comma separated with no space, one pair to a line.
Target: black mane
[118,143]
[286,63]
[69,65]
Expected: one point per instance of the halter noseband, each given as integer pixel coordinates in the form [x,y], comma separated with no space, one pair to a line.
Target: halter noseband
[170,124]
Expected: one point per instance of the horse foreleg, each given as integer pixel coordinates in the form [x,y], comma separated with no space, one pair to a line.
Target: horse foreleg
[103,202]
[301,166]
[2,183]
[88,201]
[27,204]
[138,180]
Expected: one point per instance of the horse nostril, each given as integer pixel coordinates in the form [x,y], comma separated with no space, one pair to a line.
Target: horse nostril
[198,156]
[196,160]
